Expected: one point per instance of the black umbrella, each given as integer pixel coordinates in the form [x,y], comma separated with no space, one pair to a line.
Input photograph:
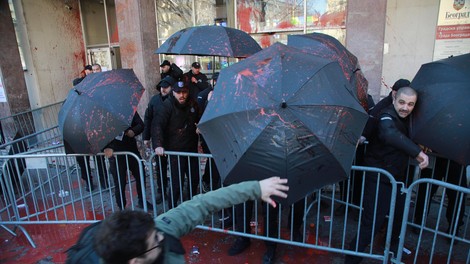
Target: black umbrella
[328,47]
[98,109]
[287,113]
[210,41]
[441,118]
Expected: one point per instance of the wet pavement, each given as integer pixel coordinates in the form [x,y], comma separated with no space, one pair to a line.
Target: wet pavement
[53,240]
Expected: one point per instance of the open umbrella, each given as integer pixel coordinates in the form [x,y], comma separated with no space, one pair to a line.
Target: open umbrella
[210,41]
[287,113]
[441,118]
[98,109]
[328,47]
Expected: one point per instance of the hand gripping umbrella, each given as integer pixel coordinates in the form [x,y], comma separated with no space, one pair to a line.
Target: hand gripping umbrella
[328,47]
[98,109]
[210,41]
[287,113]
[441,118]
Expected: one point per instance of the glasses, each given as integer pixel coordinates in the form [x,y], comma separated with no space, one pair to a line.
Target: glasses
[159,244]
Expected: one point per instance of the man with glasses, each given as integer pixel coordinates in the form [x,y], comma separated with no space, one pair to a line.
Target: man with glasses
[134,237]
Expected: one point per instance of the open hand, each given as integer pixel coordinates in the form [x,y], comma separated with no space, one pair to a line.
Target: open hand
[273,186]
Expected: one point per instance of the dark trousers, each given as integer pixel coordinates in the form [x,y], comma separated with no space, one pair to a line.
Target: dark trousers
[244,213]
[210,169]
[100,169]
[383,206]
[181,166]
[162,172]
[355,187]
[451,172]
[118,166]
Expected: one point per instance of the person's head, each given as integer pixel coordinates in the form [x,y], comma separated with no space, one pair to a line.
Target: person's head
[399,84]
[181,92]
[88,69]
[96,67]
[164,87]
[129,237]
[196,67]
[404,101]
[165,66]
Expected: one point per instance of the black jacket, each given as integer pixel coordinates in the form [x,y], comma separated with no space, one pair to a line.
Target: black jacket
[195,88]
[128,143]
[381,105]
[175,129]
[202,98]
[174,72]
[391,147]
[155,105]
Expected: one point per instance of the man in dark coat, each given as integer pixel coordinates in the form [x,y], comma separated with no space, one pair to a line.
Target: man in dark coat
[170,69]
[388,150]
[175,130]
[375,110]
[119,165]
[154,107]
[196,80]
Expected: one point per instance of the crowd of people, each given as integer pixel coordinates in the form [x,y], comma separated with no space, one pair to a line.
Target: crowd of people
[170,124]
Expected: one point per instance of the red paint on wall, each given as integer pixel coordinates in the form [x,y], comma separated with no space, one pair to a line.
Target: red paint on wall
[244,14]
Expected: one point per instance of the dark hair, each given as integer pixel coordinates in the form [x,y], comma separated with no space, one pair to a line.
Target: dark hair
[400,83]
[123,236]
[406,91]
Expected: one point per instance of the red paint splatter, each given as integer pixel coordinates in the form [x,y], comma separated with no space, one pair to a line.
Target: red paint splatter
[285,24]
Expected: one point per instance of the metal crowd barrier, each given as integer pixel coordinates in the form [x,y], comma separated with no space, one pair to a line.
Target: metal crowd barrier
[37,127]
[438,214]
[53,192]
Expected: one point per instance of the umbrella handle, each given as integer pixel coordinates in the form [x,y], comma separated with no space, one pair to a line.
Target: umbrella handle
[77,91]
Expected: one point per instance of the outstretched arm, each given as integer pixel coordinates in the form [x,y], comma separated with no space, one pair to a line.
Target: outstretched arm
[182,219]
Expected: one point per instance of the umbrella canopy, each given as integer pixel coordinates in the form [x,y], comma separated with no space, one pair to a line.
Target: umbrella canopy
[287,113]
[328,47]
[210,41]
[98,109]
[441,118]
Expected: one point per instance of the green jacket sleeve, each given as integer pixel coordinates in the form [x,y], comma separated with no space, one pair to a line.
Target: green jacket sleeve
[182,219]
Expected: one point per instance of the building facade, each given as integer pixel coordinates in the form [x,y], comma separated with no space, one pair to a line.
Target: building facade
[51,40]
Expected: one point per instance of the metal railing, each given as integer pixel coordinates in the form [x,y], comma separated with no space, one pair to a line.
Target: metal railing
[52,190]
[37,127]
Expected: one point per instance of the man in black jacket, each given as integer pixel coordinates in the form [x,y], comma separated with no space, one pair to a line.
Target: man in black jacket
[388,150]
[196,80]
[154,107]
[375,110]
[175,130]
[170,69]
[119,165]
